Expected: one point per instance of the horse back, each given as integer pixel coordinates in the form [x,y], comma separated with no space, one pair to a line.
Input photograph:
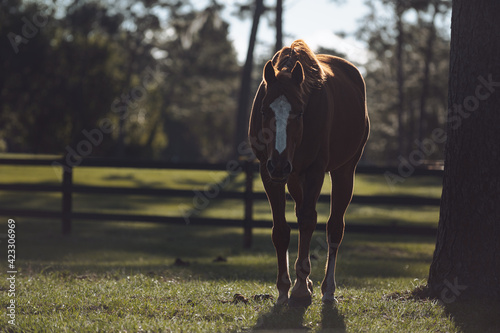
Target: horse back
[345,100]
[345,70]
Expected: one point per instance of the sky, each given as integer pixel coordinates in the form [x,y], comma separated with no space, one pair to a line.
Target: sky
[314,21]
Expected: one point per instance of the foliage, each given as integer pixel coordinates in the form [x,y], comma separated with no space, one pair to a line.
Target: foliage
[424,44]
[164,89]
[201,88]
[56,81]
[159,79]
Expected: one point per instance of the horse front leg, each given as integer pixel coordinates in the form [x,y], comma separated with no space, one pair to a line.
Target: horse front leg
[281,240]
[280,235]
[310,184]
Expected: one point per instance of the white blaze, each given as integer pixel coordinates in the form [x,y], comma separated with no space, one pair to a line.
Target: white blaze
[281,108]
[330,277]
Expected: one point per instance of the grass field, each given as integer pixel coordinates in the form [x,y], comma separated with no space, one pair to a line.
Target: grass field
[201,181]
[123,277]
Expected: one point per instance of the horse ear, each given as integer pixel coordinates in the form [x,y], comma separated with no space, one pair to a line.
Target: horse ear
[269,74]
[298,73]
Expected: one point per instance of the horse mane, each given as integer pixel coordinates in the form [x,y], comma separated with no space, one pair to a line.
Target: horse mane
[285,59]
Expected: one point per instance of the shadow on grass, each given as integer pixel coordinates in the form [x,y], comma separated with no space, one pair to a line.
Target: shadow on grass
[281,318]
[101,247]
[470,313]
[84,202]
[331,319]
[475,316]
[290,319]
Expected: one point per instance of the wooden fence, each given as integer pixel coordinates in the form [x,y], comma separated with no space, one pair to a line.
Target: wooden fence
[248,196]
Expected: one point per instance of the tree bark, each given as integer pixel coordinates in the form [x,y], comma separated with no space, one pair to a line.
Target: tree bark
[466,261]
[246,80]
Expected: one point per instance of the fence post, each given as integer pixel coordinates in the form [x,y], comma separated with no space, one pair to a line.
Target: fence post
[67,185]
[247,222]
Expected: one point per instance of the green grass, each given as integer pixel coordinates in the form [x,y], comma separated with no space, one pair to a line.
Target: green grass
[121,277]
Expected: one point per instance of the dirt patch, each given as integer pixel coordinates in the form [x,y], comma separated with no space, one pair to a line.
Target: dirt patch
[239,298]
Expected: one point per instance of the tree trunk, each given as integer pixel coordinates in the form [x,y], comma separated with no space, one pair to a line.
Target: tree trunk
[279,25]
[466,261]
[246,80]
[400,77]
[428,57]
[120,145]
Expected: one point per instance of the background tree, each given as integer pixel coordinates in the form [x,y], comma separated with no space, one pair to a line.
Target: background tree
[58,79]
[200,88]
[89,63]
[136,42]
[279,25]
[436,8]
[404,74]
[245,93]
[466,259]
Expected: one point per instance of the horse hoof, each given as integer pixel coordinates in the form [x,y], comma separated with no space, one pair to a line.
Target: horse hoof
[299,302]
[281,301]
[330,300]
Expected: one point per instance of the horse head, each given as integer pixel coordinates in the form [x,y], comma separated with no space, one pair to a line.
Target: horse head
[282,115]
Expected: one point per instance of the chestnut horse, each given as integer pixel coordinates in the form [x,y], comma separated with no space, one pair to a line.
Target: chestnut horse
[308,117]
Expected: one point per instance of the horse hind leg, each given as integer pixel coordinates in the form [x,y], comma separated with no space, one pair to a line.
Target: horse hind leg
[342,188]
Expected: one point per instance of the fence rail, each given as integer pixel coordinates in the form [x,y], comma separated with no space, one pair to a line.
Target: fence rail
[67,188]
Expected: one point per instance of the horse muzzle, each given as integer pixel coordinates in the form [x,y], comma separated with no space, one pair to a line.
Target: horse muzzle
[279,170]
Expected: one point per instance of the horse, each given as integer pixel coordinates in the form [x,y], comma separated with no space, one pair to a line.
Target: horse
[308,117]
